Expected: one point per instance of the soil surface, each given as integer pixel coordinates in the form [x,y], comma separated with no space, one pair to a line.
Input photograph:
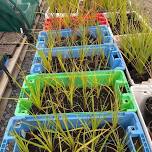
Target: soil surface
[135,75]
[76,40]
[104,101]
[89,63]
[81,136]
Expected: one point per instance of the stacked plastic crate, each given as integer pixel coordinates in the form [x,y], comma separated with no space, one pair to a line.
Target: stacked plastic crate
[111,76]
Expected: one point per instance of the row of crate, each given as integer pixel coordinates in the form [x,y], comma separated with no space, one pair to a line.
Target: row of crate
[115,76]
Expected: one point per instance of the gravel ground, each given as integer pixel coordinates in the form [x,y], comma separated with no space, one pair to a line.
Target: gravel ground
[9,112]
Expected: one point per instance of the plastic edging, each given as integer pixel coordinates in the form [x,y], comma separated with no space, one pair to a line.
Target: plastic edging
[111,51]
[128,120]
[141,93]
[105,31]
[98,17]
[114,78]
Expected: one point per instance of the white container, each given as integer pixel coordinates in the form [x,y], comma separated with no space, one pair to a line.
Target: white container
[48,14]
[141,92]
[117,40]
[131,81]
[40,2]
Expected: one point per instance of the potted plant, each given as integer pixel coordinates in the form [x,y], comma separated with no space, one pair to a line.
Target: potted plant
[75,92]
[124,22]
[76,132]
[70,37]
[142,92]
[86,58]
[102,5]
[136,49]
[148,110]
[150,128]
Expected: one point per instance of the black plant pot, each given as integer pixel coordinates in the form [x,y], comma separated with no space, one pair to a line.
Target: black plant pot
[150,128]
[148,110]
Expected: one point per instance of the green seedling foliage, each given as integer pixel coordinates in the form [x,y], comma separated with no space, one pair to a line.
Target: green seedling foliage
[51,131]
[63,6]
[138,50]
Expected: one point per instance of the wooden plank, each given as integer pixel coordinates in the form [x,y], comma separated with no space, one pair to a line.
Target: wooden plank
[11,37]
[7,49]
[19,57]
[12,63]
[9,41]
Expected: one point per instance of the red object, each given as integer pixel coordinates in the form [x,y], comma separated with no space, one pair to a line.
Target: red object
[59,21]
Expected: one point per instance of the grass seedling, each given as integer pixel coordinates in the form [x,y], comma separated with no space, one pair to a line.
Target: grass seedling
[63,6]
[101,5]
[127,19]
[71,136]
[137,49]
[72,94]
[95,60]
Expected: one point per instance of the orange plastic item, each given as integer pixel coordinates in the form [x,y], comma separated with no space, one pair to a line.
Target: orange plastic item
[57,23]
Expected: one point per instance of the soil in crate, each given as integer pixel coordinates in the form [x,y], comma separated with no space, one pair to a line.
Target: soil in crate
[77,40]
[138,78]
[132,24]
[81,136]
[101,99]
[148,110]
[88,63]
[150,128]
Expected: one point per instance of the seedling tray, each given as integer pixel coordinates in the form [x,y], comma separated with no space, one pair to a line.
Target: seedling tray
[133,77]
[131,81]
[22,124]
[99,18]
[141,93]
[111,52]
[139,21]
[114,78]
[105,31]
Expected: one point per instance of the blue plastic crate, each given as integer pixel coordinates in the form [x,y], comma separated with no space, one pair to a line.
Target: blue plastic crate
[104,30]
[111,51]
[128,120]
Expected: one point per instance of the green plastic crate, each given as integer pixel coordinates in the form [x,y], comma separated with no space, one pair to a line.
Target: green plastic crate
[115,78]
